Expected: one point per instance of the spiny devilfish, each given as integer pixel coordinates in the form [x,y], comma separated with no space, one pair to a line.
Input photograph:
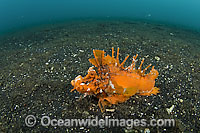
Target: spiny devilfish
[113,83]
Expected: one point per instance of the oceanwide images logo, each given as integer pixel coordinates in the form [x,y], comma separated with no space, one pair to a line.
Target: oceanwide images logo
[46,121]
[30,120]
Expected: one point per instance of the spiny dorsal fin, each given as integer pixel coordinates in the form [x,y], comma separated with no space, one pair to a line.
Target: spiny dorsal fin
[98,60]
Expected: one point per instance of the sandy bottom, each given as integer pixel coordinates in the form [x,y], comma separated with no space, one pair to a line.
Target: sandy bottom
[37,66]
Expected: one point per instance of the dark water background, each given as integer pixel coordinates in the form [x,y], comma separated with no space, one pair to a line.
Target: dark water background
[22,13]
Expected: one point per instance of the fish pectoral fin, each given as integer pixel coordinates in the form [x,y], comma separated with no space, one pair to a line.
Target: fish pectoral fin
[116,99]
[102,103]
[154,91]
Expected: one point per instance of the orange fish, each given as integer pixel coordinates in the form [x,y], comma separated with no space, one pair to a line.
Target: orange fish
[113,83]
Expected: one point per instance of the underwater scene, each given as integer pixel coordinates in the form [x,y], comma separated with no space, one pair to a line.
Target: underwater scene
[100,66]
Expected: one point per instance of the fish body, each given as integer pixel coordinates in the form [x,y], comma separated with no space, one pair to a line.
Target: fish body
[113,83]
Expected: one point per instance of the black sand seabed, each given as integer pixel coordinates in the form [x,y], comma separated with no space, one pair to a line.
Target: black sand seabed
[37,67]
